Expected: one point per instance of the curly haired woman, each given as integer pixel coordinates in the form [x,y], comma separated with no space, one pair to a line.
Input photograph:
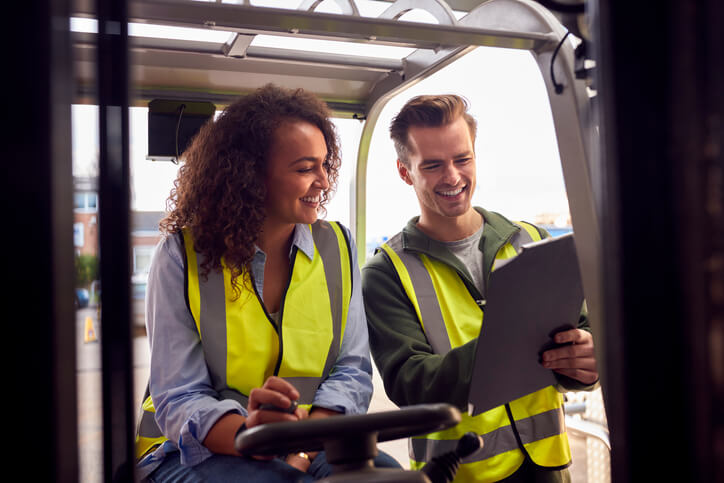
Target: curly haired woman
[252,301]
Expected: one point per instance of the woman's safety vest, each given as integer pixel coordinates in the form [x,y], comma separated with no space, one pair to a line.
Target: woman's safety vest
[243,345]
[450,316]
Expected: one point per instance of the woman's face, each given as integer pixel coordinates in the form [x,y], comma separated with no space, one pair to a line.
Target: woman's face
[296,173]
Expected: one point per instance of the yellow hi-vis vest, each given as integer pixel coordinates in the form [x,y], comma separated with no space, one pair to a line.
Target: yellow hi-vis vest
[450,316]
[243,345]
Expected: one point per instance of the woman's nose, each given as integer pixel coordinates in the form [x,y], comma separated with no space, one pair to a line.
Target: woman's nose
[322,178]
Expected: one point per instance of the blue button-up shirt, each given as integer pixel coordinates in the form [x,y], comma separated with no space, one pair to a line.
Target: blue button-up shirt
[186,403]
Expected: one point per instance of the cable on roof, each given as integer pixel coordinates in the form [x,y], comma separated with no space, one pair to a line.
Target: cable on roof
[558,87]
[181,110]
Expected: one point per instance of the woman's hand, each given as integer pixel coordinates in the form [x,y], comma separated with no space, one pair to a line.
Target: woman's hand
[276,392]
[301,461]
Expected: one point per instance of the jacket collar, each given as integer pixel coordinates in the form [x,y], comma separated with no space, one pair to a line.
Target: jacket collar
[496,233]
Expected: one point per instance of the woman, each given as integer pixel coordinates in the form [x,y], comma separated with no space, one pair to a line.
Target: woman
[251,300]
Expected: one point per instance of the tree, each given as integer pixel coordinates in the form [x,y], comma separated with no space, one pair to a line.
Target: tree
[86,270]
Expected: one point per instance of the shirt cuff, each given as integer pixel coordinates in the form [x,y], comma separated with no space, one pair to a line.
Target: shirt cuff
[197,427]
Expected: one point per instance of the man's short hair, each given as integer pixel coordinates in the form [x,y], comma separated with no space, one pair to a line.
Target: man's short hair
[428,111]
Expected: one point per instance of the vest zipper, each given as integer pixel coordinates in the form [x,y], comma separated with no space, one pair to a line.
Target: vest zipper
[281,312]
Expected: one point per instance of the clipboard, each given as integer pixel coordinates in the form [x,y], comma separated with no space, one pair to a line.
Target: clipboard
[528,299]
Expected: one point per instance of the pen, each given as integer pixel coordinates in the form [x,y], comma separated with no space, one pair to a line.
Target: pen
[271,407]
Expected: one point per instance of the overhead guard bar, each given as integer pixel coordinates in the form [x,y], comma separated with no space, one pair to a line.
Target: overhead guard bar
[250,19]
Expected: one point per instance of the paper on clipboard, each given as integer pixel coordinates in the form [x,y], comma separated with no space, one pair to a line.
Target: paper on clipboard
[533,296]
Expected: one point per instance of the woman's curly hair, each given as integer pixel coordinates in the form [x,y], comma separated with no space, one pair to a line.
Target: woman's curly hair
[220,195]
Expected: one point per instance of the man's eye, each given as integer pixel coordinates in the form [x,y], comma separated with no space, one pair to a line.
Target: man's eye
[463,160]
[430,167]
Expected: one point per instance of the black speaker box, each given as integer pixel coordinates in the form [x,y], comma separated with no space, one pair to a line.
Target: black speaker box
[172,124]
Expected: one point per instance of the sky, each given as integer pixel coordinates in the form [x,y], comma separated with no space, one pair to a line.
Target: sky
[518,164]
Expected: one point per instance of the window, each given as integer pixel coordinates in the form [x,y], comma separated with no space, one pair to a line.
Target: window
[142,259]
[86,202]
[78,235]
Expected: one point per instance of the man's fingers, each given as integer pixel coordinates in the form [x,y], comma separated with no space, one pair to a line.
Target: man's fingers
[576,360]
[580,344]
[586,377]
[576,336]
[586,363]
[567,352]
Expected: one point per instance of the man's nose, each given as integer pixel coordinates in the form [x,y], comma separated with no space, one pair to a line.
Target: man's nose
[451,174]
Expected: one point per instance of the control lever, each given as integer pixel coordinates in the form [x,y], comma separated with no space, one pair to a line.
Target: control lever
[442,468]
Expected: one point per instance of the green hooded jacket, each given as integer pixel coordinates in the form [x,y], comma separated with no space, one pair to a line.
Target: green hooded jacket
[411,372]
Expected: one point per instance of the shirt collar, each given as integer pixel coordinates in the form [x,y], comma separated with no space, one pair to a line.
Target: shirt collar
[302,239]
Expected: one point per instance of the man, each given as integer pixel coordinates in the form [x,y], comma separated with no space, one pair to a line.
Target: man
[424,293]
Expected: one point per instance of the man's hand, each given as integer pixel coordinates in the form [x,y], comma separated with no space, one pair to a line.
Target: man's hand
[576,360]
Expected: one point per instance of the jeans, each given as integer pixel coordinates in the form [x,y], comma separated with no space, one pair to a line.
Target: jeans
[223,468]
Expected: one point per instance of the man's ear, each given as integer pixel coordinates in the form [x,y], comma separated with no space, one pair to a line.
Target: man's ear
[404,172]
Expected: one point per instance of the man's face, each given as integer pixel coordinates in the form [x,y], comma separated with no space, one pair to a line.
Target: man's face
[441,169]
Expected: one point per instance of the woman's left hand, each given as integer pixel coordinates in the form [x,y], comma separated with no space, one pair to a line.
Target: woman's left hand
[301,461]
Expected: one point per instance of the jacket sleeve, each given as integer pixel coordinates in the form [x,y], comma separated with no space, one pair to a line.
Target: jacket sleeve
[411,372]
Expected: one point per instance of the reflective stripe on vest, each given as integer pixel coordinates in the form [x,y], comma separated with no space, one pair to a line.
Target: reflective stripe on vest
[450,321]
[302,348]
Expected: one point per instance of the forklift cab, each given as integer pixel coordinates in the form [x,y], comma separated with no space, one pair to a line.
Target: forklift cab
[184,78]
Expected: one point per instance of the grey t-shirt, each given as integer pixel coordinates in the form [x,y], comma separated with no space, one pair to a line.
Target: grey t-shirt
[472,257]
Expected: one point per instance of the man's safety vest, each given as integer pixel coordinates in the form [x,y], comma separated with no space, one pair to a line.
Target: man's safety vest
[243,345]
[450,316]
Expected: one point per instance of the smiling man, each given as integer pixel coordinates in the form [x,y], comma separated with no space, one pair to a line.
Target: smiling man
[424,293]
